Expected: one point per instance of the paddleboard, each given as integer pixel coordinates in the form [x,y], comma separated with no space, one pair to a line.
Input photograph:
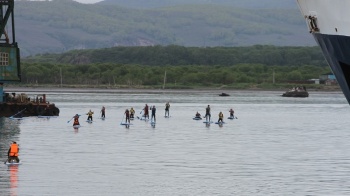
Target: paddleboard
[47,116]
[125,123]
[89,121]
[220,123]
[208,122]
[103,118]
[13,163]
[153,122]
[76,126]
[166,116]
[14,118]
[232,117]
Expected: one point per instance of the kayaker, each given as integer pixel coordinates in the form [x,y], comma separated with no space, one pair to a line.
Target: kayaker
[198,115]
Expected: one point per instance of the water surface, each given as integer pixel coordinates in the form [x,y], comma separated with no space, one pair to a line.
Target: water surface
[277,146]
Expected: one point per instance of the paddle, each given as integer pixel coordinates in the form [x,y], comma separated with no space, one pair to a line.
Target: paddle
[6,160]
[122,119]
[18,113]
[141,116]
[72,118]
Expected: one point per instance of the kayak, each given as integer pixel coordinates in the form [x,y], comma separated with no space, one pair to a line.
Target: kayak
[197,118]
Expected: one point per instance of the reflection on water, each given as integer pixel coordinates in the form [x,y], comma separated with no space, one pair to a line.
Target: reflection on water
[277,146]
[13,180]
[9,131]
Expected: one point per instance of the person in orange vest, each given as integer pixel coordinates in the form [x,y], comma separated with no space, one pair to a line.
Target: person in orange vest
[76,120]
[13,152]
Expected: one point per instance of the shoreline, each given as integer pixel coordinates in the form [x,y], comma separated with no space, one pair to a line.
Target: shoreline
[136,90]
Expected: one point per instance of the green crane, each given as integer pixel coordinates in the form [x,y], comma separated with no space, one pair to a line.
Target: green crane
[9,51]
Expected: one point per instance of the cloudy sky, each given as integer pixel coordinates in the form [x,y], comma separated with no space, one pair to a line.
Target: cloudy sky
[88,1]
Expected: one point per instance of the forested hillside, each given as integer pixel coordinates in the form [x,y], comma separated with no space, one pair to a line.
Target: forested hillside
[59,26]
[233,67]
[182,56]
[269,4]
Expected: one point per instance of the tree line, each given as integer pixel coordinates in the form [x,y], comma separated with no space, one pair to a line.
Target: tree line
[114,75]
[179,55]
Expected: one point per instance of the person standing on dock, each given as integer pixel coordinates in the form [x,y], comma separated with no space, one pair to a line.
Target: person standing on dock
[90,113]
[167,106]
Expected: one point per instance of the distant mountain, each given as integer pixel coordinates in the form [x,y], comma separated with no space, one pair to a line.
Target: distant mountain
[256,4]
[58,26]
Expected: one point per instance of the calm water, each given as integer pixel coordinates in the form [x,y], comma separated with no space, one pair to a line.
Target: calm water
[277,146]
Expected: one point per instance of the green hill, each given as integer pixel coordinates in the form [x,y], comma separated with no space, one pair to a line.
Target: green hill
[59,26]
[266,4]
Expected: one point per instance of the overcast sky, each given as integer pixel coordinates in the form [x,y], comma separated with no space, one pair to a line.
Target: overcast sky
[88,1]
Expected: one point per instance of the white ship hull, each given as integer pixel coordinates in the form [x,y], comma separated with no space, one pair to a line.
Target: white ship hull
[329,23]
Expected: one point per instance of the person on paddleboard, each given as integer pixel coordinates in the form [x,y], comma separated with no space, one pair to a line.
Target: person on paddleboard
[132,113]
[167,106]
[153,113]
[103,112]
[207,113]
[127,116]
[145,111]
[76,120]
[221,117]
[231,113]
[90,113]
[13,152]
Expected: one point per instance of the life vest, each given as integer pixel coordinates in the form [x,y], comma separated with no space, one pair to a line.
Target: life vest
[221,115]
[76,121]
[14,150]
